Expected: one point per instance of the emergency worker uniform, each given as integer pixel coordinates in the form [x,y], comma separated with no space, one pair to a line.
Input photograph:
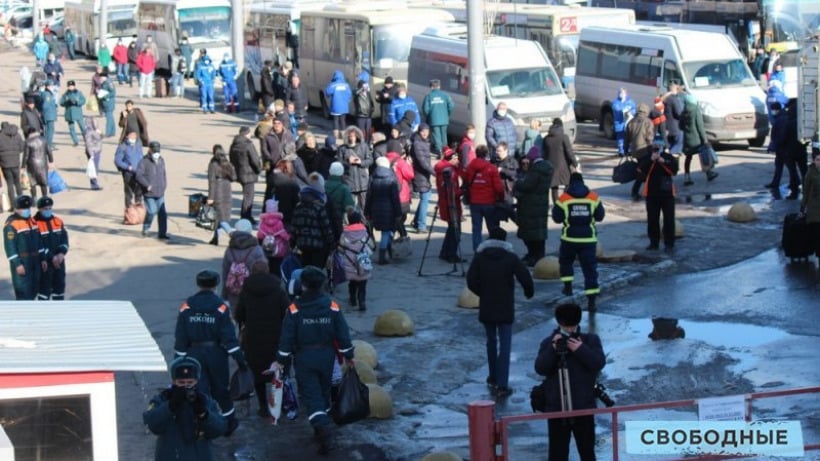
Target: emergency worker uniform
[54,238]
[437,107]
[578,209]
[205,76]
[206,332]
[21,240]
[312,324]
[227,71]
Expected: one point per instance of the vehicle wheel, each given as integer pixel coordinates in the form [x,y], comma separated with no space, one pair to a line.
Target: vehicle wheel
[608,125]
[757,142]
[325,108]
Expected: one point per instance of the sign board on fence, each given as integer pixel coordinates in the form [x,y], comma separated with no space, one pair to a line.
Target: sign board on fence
[729,408]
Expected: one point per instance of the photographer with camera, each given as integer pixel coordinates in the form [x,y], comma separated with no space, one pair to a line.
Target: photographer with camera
[571,361]
[448,184]
[184,418]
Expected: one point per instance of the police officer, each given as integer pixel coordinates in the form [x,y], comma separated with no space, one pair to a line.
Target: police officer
[312,325]
[437,107]
[205,76]
[184,418]
[54,238]
[227,71]
[206,332]
[27,257]
[578,209]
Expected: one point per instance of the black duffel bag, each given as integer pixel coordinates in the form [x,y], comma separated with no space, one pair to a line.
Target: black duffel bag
[625,171]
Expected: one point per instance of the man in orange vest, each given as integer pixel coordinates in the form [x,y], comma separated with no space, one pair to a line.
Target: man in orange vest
[54,238]
[27,257]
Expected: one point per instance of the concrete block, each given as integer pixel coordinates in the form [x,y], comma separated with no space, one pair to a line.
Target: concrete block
[365,352]
[742,212]
[546,269]
[381,405]
[394,322]
[467,299]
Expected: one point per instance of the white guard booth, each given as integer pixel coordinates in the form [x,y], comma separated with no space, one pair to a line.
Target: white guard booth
[57,363]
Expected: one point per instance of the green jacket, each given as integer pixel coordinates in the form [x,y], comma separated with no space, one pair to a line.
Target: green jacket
[69,37]
[104,57]
[533,207]
[811,195]
[437,107]
[339,194]
[73,101]
[691,123]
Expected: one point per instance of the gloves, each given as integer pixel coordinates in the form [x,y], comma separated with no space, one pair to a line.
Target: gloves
[198,405]
[175,399]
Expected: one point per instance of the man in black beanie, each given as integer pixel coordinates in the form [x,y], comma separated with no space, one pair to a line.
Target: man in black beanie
[312,330]
[492,276]
[582,355]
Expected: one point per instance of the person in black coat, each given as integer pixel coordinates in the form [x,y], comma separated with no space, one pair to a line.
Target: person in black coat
[30,118]
[259,313]
[221,173]
[423,169]
[11,146]
[660,169]
[492,276]
[266,92]
[286,190]
[248,166]
[382,206]
[583,357]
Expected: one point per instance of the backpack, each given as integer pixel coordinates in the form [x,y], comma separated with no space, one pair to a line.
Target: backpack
[363,258]
[274,245]
[237,274]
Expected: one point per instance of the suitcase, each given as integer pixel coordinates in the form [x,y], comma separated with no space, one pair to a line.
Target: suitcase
[796,241]
[160,87]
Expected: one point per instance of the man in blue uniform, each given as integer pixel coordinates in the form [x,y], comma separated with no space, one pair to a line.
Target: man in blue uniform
[206,332]
[227,71]
[312,325]
[205,76]
[54,238]
[184,418]
[578,209]
[48,98]
[27,257]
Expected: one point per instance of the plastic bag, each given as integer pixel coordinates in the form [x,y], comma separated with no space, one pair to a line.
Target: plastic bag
[25,180]
[402,247]
[91,169]
[290,403]
[273,392]
[353,402]
[56,183]
[242,384]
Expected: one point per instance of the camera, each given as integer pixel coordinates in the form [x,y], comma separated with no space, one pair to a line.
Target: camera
[599,390]
[561,346]
[190,393]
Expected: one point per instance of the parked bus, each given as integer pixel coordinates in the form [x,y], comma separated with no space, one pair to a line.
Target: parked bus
[359,36]
[645,59]
[272,33]
[517,73]
[83,16]
[206,24]
[555,27]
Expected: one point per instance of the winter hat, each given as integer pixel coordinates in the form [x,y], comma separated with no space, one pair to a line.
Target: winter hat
[423,126]
[576,177]
[330,142]
[497,233]
[271,206]
[447,153]
[568,315]
[534,154]
[244,130]
[22,202]
[394,145]
[388,80]
[45,201]
[185,368]
[243,225]
[312,277]
[354,217]
[316,182]
[207,279]
[336,169]
[383,162]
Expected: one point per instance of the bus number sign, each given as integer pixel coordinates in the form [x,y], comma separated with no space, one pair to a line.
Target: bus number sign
[568,25]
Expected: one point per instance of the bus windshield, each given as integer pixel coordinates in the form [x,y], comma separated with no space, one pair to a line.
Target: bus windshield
[393,41]
[206,24]
[122,23]
[520,83]
[568,49]
[718,74]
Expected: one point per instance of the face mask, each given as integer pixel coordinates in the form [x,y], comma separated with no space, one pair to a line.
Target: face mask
[402,95]
[775,112]
[46,213]
[25,213]
[471,136]
[132,141]
[502,113]
[155,156]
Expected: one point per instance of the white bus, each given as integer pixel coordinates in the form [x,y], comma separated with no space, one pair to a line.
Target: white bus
[556,27]
[359,36]
[206,23]
[518,73]
[83,16]
[266,34]
[645,59]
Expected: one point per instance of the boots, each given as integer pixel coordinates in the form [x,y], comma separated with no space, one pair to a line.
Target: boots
[233,423]
[361,296]
[567,290]
[351,290]
[591,303]
[382,257]
[711,175]
[95,185]
[687,180]
[324,436]
[215,240]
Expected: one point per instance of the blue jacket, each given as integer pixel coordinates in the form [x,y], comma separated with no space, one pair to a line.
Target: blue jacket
[775,94]
[205,317]
[128,155]
[401,105]
[314,322]
[54,70]
[183,436]
[619,110]
[41,49]
[500,129]
[227,70]
[205,73]
[49,102]
[338,94]
[777,139]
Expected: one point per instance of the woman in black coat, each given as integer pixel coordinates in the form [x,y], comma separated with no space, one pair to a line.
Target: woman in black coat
[285,190]
[221,174]
[557,148]
[382,207]
[259,313]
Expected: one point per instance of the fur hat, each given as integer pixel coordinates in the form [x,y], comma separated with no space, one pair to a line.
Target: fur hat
[185,368]
[568,315]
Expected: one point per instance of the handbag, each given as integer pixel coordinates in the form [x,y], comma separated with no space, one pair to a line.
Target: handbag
[707,156]
[25,180]
[402,247]
[206,217]
[56,184]
[241,387]
[337,269]
[353,401]
[134,215]
[195,202]
[625,171]
[538,397]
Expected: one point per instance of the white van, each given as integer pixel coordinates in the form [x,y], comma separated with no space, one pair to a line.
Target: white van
[645,59]
[518,73]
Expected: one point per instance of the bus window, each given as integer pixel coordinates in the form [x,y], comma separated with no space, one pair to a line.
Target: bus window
[308,36]
[671,73]
[567,47]
[393,41]
[587,59]
[616,61]
[362,44]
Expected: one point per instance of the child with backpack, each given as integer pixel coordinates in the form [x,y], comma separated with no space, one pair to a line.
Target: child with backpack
[242,252]
[355,247]
[273,237]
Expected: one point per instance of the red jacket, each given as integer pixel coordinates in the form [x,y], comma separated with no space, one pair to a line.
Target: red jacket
[466,151]
[404,173]
[120,54]
[146,63]
[484,182]
[443,194]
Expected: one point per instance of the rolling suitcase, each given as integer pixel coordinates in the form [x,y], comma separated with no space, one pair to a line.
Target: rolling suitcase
[796,241]
[160,87]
